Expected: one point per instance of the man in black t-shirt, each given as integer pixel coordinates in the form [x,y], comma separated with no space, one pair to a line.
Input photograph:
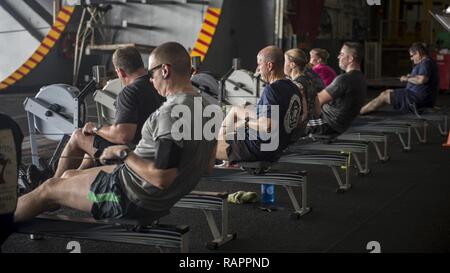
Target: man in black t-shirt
[342,100]
[134,105]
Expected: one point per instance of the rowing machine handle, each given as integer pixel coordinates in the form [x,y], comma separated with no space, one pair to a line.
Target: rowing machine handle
[90,87]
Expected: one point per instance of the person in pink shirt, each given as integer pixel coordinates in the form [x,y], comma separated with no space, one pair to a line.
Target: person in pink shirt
[318,59]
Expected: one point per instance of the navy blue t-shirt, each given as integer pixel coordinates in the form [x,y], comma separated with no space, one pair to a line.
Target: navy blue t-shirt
[286,95]
[425,93]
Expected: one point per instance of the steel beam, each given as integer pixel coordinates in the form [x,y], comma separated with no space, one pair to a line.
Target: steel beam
[38,9]
[21,20]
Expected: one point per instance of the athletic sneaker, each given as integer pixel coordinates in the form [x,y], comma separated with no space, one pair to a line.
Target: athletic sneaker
[31,177]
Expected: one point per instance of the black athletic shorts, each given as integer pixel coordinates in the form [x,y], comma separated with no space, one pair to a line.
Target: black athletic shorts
[401,100]
[237,151]
[101,144]
[110,201]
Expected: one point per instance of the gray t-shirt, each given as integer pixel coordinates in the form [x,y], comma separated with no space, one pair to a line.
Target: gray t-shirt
[195,155]
[349,94]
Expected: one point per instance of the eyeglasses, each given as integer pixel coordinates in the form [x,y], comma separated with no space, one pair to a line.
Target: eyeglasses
[152,70]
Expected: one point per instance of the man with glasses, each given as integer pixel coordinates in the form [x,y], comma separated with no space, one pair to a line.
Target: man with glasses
[150,179]
[422,85]
[342,100]
[134,104]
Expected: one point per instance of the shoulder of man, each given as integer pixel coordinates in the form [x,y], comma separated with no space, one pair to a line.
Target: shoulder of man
[137,85]
[429,62]
[129,91]
[282,84]
[160,122]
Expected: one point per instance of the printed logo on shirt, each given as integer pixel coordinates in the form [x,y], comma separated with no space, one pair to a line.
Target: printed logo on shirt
[293,114]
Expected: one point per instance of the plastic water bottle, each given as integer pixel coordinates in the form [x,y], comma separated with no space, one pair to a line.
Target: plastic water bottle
[268,194]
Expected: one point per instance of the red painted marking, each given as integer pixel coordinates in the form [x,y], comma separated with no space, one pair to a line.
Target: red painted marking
[202,42]
[213,13]
[20,72]
[209,23]
[199,51]
[206,33]
[27,66]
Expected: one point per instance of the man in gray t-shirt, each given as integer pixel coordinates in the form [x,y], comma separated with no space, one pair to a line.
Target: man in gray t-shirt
[158,140]
[153,177]
[342,100]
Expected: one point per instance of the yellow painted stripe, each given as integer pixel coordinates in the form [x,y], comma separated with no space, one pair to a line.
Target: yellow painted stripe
[53,34]
[59,26]
[37,57]
[9,81]
[209,29]
[209,25]
[201,47]
[48,43]
[62,19]
[17,75]
[205,38]
[24,70]
[211,18]
[216,10]
[31,64]
[43,50]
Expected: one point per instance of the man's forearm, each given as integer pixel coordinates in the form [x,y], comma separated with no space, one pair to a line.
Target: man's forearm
[108,133]
[413,80]
[115,135]
[261,124]
[417,80]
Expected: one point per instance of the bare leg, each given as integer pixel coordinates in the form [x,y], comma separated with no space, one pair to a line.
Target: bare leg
[70,192]
[221,152]
[383,99]
[228,123]
[71,173]
[87,162]
[228,127]
[75,149]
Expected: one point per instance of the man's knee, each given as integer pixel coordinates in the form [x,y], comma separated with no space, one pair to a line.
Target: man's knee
[77,136]
[387,95]
[46,190]
[69,173]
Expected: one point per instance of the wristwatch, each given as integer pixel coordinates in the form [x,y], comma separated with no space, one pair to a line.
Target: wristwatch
[123,154]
